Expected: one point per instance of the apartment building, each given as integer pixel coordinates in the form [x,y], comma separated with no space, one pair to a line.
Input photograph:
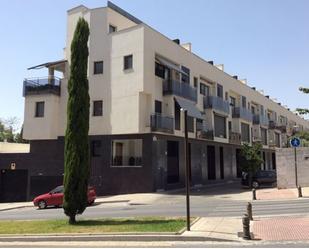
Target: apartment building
[138,81]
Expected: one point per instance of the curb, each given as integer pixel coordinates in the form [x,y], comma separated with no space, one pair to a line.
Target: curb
[10,208]
[81,237]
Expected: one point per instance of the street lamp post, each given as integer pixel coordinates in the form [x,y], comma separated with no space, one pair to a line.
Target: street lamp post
[186,155]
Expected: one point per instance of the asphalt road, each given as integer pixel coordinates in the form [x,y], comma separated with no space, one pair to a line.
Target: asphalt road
[170,205]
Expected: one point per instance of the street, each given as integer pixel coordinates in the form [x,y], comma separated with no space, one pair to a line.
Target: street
[203,203]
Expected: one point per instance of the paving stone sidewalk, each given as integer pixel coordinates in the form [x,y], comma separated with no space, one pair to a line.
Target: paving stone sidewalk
[278,194]
[281,228]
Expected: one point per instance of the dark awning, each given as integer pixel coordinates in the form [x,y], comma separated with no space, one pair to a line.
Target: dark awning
[170,65]
[48,64]
[193,111]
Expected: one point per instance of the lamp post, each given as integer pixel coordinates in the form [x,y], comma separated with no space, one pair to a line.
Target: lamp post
[186,155]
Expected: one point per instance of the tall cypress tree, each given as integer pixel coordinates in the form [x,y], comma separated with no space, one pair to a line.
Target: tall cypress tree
[76,154]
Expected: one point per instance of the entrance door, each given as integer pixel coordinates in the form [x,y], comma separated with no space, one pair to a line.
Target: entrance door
[221,163]
[238,167]
[13,185]
[211,162]
[172,162]
[273,158]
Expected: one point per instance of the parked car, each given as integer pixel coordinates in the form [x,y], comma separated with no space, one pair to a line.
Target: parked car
[55,198]
[261,178]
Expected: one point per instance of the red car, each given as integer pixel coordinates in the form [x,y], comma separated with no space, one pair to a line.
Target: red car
[55,198]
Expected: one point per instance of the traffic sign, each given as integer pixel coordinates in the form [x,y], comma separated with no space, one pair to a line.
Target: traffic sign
[295,142]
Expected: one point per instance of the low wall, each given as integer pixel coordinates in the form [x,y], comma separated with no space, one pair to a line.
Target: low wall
[286,167]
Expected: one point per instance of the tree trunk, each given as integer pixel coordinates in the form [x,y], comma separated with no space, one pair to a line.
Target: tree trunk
[250,179]
[72,220]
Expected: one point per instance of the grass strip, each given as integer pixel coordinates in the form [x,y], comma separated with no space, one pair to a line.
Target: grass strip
[147,224]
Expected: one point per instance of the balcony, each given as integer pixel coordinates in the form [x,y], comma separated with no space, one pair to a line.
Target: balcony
[278,126]
[234,137]
[243,113]
[46,85]
[217,103]
[177,88]
[158,122]
[260,120]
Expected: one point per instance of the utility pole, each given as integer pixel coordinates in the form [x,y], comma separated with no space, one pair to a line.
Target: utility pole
[187,163]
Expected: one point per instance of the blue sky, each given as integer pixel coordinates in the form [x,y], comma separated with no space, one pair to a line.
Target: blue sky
[265,41]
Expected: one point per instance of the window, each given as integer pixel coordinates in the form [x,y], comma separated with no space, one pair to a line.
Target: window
[39,109]
[195,79]
[96,148]
[245,133]
[230,125]
[177,115]
[57,190]
[127,152]
[264,136]
[185,78]
[98,67]
[158,106]
[204,89]
[226,96]
[220,91]
[233,101]
[112,29]
[220,126]
[277,139]
[243,101]
[190,122]
[160,70]
[97,108]
[128,62]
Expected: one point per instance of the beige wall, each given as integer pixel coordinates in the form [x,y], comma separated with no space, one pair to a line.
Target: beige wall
[128,96]
[14,148]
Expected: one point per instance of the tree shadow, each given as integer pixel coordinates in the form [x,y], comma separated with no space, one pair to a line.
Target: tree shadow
[121,222]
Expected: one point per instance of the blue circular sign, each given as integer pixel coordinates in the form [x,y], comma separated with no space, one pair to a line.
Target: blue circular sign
[295,142]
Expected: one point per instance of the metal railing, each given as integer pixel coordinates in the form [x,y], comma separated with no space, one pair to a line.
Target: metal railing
[243,113]
[32,86]
[260,119]
[234,137]
[158,122]
[180,89]
[217,103]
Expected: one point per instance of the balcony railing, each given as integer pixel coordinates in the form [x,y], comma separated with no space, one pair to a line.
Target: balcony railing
[243,113]
[260,120]
[180,89]
[34,86]
[158,122]
[234,137]
[217,103]
[273,124]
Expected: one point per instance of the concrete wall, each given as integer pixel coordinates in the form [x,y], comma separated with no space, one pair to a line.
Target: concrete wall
[286,167]
[14,148]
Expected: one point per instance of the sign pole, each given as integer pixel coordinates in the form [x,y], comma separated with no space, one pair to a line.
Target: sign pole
[295,142]
[296,175]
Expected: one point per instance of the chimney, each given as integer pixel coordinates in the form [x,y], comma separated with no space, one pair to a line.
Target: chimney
[267,96]
[187,46]
[253,88]
[177,41]
[244,81]
[235,77]
[220,67]
[211,62]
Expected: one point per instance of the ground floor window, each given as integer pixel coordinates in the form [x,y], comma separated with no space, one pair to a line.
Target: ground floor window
[127,152]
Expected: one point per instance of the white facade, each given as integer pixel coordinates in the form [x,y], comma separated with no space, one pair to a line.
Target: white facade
[129,95]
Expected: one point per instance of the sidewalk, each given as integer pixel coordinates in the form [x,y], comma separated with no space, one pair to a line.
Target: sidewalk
[221,228]
[281,229]
[280,194]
